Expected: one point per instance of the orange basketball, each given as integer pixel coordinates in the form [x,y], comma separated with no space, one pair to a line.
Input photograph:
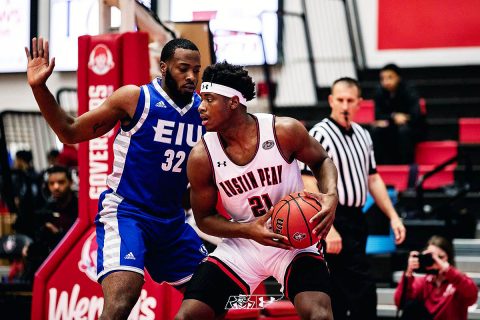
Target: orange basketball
[291,216]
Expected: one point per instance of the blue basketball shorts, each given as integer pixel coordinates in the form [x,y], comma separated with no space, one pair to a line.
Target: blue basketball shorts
[131,240]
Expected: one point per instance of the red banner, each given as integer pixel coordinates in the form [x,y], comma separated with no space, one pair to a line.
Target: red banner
[65,286]
[414,24]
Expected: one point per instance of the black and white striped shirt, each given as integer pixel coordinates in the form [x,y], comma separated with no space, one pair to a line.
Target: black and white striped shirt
[352,153]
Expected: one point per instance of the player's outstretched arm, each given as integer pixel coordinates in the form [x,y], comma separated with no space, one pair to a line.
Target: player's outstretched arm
[203,198]
[295,142]
[120,106]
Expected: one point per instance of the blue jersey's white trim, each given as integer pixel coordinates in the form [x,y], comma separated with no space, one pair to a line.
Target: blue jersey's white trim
[181,111]
[180,282]
[108,217]
[121,268]
[122,142]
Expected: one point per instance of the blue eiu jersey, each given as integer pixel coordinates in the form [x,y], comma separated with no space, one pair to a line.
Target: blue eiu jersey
[150,155]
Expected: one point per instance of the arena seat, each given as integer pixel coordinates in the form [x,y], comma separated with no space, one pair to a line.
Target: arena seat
[440,179]
[435,152]
[395,175]
[469,130]
[366,112]
[423,106]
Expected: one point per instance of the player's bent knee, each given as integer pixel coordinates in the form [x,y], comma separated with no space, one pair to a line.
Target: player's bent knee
[313,305]
[121,291]
[324,316]
[321,313]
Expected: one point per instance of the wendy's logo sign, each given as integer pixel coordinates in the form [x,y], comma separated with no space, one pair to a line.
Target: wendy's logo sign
[88,257]
[100,60]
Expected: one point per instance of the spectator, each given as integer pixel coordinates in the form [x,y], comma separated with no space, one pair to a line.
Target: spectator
[62,203]
[52,157]
[444,293]
[27,194]
[399,124]
[53,220]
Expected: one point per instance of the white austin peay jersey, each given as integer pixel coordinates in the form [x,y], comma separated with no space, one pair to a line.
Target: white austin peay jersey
[250,190]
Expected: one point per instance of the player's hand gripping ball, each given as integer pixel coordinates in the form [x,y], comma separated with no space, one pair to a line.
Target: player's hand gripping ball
[291,216]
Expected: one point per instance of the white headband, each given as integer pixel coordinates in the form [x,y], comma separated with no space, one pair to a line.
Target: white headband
[222,90]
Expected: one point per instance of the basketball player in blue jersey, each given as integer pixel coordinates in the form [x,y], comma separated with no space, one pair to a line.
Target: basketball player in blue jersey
[140,223]
[250,159]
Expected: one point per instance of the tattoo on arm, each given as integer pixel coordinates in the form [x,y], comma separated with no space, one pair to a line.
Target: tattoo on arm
[97,126]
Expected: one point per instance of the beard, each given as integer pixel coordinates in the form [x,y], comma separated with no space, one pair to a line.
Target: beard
[180,98]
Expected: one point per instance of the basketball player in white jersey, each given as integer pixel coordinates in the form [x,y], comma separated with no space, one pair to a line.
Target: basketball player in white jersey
[250,160]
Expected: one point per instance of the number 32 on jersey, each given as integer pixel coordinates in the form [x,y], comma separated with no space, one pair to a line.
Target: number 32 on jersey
[173,160]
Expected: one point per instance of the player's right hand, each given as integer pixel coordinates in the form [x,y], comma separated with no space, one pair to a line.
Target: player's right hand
[259,232]
[38,68]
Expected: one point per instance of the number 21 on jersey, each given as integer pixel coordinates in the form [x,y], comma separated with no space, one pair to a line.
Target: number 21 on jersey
[260,204]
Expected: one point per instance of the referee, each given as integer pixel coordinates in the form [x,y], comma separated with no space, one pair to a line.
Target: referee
[351,149]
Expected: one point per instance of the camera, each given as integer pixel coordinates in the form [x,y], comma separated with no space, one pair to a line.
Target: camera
[425,260]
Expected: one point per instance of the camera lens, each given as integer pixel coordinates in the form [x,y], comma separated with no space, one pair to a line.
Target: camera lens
[425,260]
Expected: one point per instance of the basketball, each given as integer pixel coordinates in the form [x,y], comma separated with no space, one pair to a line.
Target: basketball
[291,216]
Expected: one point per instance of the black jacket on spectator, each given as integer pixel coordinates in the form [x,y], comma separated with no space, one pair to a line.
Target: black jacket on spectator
[396,144]
[27,190]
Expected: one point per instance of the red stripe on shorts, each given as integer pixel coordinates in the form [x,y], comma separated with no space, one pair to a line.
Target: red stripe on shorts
[225,269]
[289,268]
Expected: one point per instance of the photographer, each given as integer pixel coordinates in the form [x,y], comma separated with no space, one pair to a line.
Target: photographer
[443,293]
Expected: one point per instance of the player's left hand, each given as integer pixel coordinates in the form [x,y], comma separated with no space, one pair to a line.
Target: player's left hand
[398,229]
[324,218]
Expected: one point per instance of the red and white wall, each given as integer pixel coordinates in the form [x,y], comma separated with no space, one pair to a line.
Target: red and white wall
[417,33]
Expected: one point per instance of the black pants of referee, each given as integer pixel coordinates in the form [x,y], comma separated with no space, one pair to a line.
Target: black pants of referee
[353,288]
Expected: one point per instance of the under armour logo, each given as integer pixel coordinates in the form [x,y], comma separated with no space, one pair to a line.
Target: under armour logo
[219,164]
[205,86]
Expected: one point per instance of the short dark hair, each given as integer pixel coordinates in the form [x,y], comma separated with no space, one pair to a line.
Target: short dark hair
[59,169]
[25,155]
[392,67]
[169,49]
[445,245]
[53,153]
[233,76]
[349,81]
